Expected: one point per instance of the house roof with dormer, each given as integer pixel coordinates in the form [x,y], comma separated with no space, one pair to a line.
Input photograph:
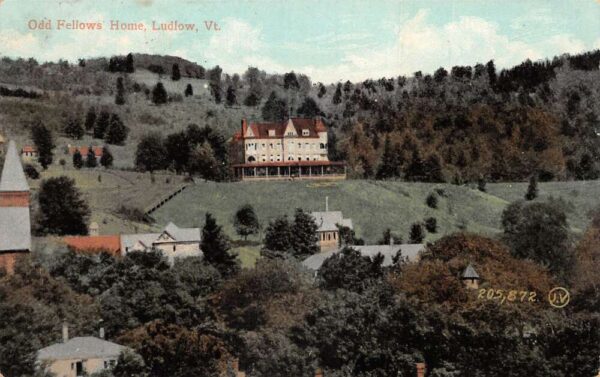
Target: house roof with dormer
[277,130]
[170,234]
[13,177]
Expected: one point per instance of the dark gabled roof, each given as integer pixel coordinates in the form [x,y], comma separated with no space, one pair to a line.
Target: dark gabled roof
[314,126]
[13,177]
[470,273]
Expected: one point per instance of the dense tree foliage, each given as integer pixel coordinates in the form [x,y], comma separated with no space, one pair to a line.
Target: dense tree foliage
[245,221]
[539,231]
[44,142]
[62,209]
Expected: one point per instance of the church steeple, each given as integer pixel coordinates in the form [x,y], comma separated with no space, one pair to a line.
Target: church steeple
[14,190]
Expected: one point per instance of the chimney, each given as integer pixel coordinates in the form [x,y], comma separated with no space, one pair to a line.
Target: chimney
[319,372]
[65,332]
[420,369]
[101,333]
[327,204]
[244,127]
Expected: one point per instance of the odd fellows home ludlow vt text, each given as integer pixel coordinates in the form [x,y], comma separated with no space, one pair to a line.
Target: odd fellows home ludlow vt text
[292,149]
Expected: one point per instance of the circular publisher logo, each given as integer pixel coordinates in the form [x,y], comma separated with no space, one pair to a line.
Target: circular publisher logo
[559,297]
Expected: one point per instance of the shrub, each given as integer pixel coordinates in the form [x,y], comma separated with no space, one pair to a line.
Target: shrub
[31,172]
[432,200]
[431,224]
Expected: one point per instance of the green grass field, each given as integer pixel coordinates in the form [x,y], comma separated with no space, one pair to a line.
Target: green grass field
[373,205]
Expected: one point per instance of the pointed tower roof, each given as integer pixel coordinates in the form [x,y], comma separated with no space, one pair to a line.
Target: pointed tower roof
[13,177]
[470,273]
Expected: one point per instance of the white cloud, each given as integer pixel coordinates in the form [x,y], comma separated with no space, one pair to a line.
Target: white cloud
[236,47]
[422,46]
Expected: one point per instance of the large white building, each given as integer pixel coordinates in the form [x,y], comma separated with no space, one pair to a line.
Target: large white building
[295,148]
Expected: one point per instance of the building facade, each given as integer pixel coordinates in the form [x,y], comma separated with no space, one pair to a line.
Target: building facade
[84,151]
[173,241]
[15,223]
[29,153]
[328,231]
[292,149]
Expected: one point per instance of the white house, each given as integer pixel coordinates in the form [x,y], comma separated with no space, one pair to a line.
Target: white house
[173,241]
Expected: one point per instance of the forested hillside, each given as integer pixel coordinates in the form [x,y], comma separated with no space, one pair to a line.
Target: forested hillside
[466,124]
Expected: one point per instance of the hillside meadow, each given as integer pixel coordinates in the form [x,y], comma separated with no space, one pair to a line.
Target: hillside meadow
[374,205]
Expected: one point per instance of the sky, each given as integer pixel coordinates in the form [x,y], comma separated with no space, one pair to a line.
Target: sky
[329,40]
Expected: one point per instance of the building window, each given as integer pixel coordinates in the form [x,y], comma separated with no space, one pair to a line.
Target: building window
[307,158]
[322,146]
[271,145]
[299,145]
[305,132]
[299,158]
[263,145]
[174,247]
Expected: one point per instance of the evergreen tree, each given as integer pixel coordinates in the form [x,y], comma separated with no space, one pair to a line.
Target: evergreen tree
[120,96]
[337,96]
[107,158]
[90,119]
[433,169]
[322,90]
[215,90]
[77,160]
[416,168]
[90,161]
[74,129]
[481,183]
[251,100]
[388,168]
[290,81]
[532,189]
[491,71]
[44,142]
[417,235]
[432,200]
[63,210]
[215,247]
[309,108]
[246,221]
[159,94]
[388,237]
[101,124]
[175,74]
[189,91]
[305,240]
[274,109]
[129,68]
[178,150]
[117,131]
[431,224]
[150,153]
[231,96]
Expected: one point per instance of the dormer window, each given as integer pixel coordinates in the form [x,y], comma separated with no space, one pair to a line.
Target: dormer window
[305,132]
[271,132]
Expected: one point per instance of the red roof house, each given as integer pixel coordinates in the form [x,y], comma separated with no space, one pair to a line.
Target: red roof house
[94,244]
